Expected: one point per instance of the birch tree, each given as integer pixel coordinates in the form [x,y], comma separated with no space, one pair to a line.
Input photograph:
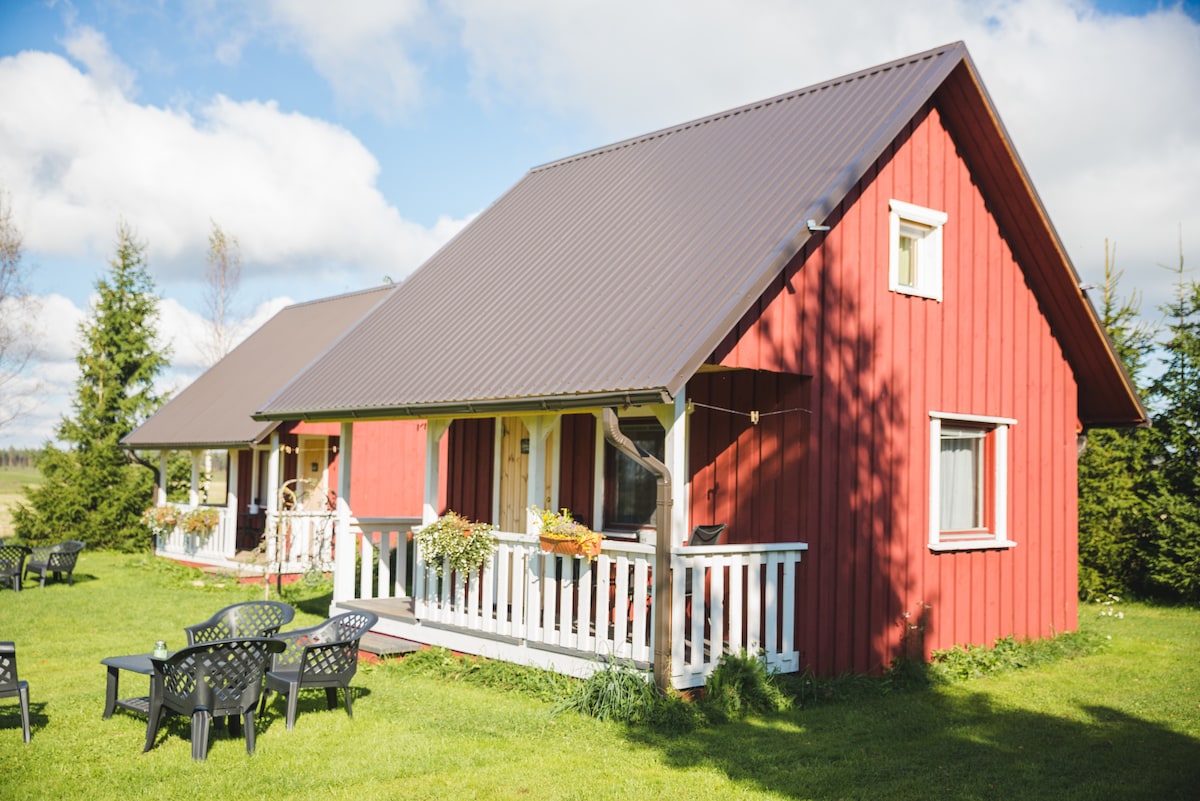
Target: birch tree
[17,312]
[223,275]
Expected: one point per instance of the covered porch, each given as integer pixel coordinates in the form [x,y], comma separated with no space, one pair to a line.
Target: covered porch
[276,519]
[567,613]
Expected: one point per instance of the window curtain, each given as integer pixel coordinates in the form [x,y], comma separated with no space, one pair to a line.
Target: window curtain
[961,462]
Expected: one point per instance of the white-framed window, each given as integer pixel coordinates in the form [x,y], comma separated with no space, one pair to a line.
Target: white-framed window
[968,482]
[630,490]
[915,250]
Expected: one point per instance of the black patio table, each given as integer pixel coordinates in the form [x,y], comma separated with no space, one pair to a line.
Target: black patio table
[135,663]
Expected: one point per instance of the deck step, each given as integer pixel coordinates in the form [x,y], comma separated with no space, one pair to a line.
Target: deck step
[383,645]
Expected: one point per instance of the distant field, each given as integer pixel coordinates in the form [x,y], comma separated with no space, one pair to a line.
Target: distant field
[12,479]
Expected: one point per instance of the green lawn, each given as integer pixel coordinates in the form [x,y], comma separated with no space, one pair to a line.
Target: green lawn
[1121,724]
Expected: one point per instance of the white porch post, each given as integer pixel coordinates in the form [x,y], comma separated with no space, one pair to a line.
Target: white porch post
[273,477]
[194,491]
[434,430]
[231,501]
[161,495]
[273,468]
[677,461]
[254,479]
[345,548]
[674,422]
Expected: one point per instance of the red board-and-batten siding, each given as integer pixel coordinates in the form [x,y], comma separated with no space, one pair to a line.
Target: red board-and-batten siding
[880,362]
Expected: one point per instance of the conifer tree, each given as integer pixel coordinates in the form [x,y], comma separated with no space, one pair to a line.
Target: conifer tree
[1173,560]
[1115,522]
[91,490]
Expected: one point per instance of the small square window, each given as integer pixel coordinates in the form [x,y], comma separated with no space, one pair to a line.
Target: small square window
[915,252]
[968,482]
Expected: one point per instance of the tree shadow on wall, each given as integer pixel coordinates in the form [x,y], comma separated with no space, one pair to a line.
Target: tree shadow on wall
[857,483]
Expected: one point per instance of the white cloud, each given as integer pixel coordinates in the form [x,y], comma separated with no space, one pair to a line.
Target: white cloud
[90,48]
[295,190]
[364,50]
[49,381]
[44,388]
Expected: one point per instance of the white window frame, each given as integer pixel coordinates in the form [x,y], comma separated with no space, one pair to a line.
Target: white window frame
[924,226]
[997,535]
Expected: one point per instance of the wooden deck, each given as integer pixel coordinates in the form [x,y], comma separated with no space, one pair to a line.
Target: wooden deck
[400,609]
[385,645]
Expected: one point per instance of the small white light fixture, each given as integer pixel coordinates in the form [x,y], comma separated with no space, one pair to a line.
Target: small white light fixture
[812,226]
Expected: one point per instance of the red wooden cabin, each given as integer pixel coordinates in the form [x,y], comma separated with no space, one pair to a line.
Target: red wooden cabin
[842,322]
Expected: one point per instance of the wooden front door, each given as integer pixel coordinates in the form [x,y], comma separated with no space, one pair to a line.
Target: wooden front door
[514,474]
[312,467]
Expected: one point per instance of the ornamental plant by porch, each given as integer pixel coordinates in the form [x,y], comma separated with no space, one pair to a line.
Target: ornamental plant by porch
[201,520]
[464,544]
[160,520]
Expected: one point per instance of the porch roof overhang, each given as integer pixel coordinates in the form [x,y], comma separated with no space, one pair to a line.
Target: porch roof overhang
[214,411]
[485,407]
[208,445]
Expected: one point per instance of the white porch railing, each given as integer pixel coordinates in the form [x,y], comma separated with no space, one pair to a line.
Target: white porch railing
[294,542]
[733,598]
[383,545]
[600,608]
[571,615]
[215,548]
[298,541]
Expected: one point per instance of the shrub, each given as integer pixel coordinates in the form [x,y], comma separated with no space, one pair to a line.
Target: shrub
[615,692]
[741,684]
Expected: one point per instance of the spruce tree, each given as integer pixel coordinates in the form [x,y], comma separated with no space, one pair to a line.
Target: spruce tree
[92,490]
[1173,560]
[1115,522]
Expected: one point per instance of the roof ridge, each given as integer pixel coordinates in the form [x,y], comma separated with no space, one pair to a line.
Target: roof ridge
[350,294]
[757,105]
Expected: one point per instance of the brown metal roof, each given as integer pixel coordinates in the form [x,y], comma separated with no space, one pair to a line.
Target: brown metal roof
[215,410]
[611,276]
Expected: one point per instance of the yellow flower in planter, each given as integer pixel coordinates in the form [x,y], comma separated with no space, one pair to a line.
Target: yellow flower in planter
[562,533]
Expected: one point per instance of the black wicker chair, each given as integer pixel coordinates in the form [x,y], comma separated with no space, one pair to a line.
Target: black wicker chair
[56,559]
[323,656]
[248,619]
[12,564]
[11,686]
[218,678]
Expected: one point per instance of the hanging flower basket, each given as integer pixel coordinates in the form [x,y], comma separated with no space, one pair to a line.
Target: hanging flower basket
[562,534]
[452,538]
[587,546]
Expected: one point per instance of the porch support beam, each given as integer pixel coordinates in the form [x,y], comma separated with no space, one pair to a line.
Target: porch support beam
[434,431]
[164,457]
[231,500]
[344,547]
[273,477]
[194,490]
[674,420]
[254,482]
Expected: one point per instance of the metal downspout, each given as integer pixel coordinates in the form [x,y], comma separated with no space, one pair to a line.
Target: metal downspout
[662,549]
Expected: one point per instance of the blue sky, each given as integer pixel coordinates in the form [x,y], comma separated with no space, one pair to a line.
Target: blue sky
[344,142]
